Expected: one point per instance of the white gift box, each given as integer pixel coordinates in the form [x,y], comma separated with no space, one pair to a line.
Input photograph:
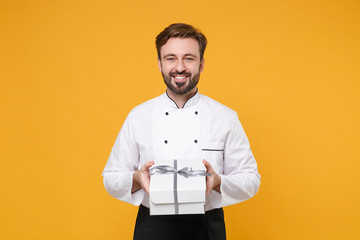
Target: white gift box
[173,193]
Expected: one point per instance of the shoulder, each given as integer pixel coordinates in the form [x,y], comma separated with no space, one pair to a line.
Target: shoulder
[144,109]
[218,108]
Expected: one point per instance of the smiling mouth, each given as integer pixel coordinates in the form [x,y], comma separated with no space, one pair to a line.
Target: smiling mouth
[180,81]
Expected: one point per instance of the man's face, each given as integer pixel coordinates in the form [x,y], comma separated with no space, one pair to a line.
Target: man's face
[180,64]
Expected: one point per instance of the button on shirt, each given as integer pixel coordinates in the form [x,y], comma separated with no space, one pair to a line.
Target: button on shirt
[202,129]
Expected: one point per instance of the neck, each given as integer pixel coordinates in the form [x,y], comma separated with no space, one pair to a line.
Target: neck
[180,99]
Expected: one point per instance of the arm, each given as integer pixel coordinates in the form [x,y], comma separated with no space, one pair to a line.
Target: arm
[119,175]
[240,180]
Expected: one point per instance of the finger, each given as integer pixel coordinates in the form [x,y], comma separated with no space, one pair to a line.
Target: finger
[147,165]
[145,182]
[208,166]
[146,188]
[208,186]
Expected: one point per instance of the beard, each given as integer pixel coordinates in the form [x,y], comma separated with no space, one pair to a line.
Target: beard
[181,88]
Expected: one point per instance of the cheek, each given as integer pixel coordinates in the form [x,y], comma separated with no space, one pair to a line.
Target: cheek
[195,69]
[166,71]
[194,66]
[166,68]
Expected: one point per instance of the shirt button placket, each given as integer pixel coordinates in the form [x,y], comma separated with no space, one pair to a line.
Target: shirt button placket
[167,114]
[196,113]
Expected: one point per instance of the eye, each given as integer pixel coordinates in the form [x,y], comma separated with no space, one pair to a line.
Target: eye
[170,59]
[189,59]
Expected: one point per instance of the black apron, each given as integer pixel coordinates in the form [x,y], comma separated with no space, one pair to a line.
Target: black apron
[208,226]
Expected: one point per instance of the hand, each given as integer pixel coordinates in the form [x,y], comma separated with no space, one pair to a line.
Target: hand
[213,181]
[141,178]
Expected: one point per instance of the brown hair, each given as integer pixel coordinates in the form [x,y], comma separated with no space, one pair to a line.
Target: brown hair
[181,30]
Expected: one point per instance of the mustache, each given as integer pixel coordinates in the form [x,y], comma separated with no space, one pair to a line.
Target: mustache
[183,73]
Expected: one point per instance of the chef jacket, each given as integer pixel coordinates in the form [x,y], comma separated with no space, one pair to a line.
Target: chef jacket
[202,129]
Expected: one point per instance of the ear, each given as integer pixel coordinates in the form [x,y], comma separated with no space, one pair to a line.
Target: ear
[159,64]
[202,63]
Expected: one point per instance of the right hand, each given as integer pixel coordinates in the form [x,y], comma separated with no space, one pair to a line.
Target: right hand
[141,178]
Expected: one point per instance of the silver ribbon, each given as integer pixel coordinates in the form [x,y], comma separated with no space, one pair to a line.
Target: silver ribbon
[185,172]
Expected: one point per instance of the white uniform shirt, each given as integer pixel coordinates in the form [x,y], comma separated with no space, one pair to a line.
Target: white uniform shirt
[202,129]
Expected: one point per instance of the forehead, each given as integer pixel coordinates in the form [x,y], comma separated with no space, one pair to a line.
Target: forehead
[180,47]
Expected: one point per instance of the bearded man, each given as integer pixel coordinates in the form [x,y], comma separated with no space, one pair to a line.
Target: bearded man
[182,124]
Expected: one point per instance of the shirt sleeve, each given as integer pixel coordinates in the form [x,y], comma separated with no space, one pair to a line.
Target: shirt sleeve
[241,179]
[121,165]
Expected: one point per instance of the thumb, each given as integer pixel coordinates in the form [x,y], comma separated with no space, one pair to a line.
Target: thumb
[147,165]
[208,166]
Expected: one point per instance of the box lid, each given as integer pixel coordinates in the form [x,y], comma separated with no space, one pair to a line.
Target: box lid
[165,188]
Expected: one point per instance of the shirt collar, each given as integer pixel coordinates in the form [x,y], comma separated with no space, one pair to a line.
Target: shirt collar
[190,102]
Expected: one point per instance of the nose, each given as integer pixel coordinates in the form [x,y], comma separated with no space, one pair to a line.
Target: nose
[180,67]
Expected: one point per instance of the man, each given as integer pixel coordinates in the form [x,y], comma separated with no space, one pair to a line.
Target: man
[182,124]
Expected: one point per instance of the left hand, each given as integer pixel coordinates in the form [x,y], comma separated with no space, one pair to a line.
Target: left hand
[213,181]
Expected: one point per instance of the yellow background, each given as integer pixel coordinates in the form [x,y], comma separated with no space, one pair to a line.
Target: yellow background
[71,71]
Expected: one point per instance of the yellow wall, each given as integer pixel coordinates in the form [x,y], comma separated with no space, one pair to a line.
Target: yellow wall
[70,72]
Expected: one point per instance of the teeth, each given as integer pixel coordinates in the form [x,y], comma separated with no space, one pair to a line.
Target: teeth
[179,77]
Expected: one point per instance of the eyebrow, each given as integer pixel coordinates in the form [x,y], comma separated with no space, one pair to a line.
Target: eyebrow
[190,55]
[169,55]
[186,55]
